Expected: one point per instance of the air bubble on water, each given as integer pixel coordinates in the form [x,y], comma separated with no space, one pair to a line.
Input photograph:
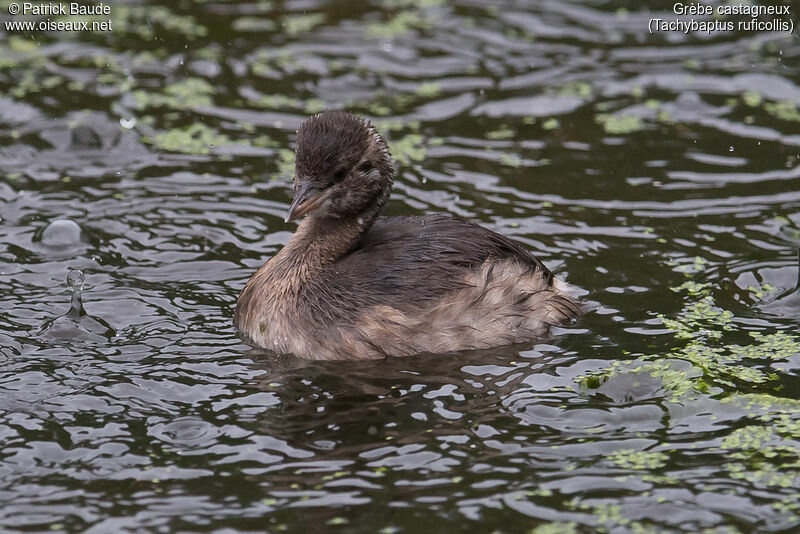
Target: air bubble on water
[360,220]
[424,179]
[61,233]
[730,148]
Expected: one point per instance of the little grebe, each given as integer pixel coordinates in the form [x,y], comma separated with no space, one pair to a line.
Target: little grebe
[351,285]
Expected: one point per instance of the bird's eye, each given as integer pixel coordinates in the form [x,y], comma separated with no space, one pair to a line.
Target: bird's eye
[365,167]
[340,174]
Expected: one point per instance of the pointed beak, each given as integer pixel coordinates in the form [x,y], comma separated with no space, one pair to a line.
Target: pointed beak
[308,198]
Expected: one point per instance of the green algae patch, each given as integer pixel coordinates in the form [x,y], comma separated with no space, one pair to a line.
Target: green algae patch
[619,124]
[783,109]
[185,94]
[412,148]
[580,90]
[501,134]
[400,23]
[428,89]
[763,456]
[551,124]
[700,330]
[752,98]
[640,460]
[150,22]
[298,24]
[777,346]
[557,527]
[197,139]
[286,163]
[677,381]
[253,24]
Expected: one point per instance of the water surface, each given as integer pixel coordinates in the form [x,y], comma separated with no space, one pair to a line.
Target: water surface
[660,173]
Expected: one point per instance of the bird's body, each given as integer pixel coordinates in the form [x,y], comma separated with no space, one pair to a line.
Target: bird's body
[352,285]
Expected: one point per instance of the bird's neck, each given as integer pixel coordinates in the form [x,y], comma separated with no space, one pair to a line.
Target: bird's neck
[319,242]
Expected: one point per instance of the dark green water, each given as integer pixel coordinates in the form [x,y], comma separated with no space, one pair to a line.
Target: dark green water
[660,173]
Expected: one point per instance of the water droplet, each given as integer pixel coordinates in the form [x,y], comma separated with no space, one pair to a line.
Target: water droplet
[127,122]
[76,324]
[75,280]
[424,179]
[730,149]
[360,220]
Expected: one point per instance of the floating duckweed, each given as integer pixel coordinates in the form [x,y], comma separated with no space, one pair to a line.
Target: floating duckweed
[389,125]
[765,401]
[642,460]
[297,24]
[551,124]
[428,89]
[409,149]
[673,379]
[276,102]
[253,24]
[765,457]
[576,89]
[379,109]
[693,288]
[557,527]
[750,437]
[698,265]
[620,124]
[145,21]
[194,91]
[504,132]
[186,94]
[399,24]
[784,110]
[422,4]
[511,160]
[704,324]
[777,346]
[286,162]
[314,105]
[195,139]
[752,98]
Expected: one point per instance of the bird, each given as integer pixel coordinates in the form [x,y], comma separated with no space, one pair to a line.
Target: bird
[351,284]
